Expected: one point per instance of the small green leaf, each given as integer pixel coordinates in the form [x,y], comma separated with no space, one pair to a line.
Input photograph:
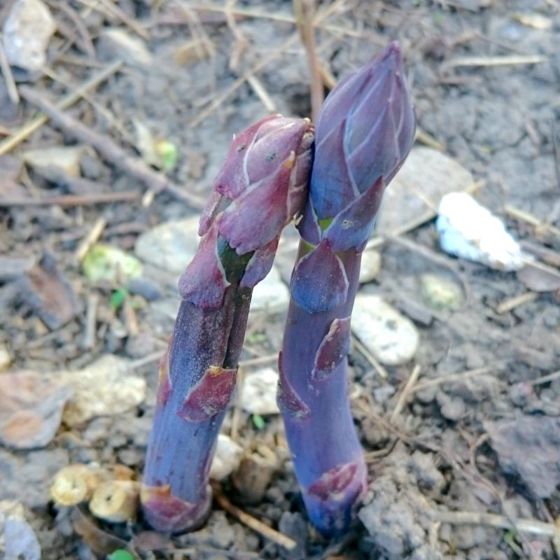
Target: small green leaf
[118,297]
[121,554]
[104,263]
[258,421]
[167,153]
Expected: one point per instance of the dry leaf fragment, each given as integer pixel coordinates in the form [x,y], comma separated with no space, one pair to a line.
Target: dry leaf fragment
[539,277]
[49,293]
[31,407]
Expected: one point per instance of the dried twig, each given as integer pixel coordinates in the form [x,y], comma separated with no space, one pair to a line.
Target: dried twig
[262,94]
[511,303]
[91,238]
[36,123]
[303,10]
[457,377]
[513,60]
[8,76]
[406,392]
[499,521]
[545,378]
[537,223]
[91,319]
[72,199]
[373,361]
[218,100]
[252,522]
[110,150]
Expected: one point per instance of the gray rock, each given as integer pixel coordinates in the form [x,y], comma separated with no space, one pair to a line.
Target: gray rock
[529,448]
[27,32]
[170,245]
[388,335]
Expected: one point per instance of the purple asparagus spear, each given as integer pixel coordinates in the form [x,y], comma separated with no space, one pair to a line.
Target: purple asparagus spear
[261,187]
[364,133]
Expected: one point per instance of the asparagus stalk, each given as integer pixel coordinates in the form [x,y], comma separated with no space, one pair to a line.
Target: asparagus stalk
[260,188]
[364,133]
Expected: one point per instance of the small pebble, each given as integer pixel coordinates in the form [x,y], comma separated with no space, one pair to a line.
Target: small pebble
[169,246]
[258,395]
[28,29]
[227,458]
[388,335]
[371,265]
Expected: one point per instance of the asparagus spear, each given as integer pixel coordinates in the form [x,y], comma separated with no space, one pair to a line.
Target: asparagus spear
[364,133]
[260,188]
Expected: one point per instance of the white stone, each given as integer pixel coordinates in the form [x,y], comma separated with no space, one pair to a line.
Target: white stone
[63,158]
[27,31]
[271,294]
[258,394]
[470,231]
[371,265]
[226,459]
[388,335]
[104,388]
[170,246]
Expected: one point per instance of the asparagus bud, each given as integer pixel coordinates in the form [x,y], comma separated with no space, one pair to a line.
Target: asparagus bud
[364,133]
[261,187]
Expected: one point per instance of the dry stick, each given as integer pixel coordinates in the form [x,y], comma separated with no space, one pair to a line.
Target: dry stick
[428,140]
[406,392]
[8,76]
[511,303]
[219,99]
[262,94]
[91,319]
[531,219]
[545,378]
[494,61]
[72,199]
[35,124]
[253,522]
[91,238]
[111,9]
[257,14]
[110,150]
[373,361]
[498,521]
[86,42]
[458,377]
[304,11]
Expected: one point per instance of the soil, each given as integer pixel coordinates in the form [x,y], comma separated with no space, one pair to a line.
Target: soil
[465,442]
